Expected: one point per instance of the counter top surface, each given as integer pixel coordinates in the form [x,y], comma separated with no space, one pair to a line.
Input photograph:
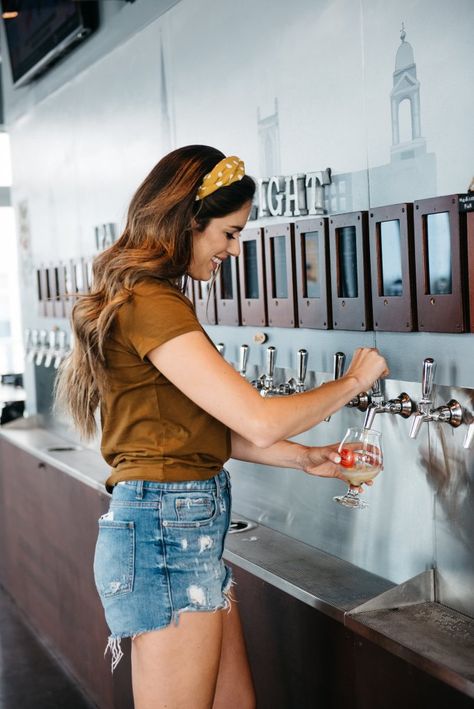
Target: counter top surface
[428,635]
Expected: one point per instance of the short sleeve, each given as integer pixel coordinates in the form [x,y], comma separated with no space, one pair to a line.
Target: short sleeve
[155,314]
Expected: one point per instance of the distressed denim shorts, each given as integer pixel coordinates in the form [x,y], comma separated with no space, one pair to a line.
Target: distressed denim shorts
[159,552]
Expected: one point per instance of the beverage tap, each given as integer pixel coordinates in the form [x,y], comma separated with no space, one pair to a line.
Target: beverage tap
[446,413]
[61,351]
[28,342]
[338,369]
[294,386]
[469,437]
[402,405]
[243,358]
[266,380]
[32,347]
[362,400]
[220,347]
[51,350]
[42,347]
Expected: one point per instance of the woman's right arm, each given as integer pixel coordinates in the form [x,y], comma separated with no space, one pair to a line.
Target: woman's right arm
[193,365]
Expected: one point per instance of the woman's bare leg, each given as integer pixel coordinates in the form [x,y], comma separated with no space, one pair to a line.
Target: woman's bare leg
[177,667]
[234,688]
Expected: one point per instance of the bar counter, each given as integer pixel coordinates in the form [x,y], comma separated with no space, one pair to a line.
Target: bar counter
[378,622]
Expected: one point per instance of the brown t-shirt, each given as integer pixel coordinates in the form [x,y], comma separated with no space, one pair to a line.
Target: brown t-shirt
[150,429]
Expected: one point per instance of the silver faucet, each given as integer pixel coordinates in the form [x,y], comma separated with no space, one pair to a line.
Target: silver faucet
[295,386]
[243,359]
[469,437]
[446,413]
[337,369]
[266,380]
[31,344]
[402,405]
[52,346]
[42,347]
[61,349]
[220,347]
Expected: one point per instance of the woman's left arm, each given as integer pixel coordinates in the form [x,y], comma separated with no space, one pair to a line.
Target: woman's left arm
[314,460]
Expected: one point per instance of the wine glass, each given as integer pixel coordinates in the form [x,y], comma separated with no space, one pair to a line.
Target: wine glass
[361,460]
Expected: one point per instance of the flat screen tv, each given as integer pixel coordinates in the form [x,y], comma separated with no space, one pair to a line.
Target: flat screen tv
[38,32]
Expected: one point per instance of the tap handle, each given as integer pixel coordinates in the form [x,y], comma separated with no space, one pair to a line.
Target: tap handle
[43,336]
[469,437]
[220,347]
[271,355]
[429,369]
[244,355]
[302,365]
[52,339]
[339,364]
[376,389]
[62,339]
[34,338]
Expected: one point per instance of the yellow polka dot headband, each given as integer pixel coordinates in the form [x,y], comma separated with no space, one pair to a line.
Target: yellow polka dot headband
[226,172]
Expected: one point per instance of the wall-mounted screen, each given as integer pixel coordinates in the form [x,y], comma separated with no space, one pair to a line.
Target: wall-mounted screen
[279,265]
[251,290]
[348,286]
[312,282]
[43,30]
[227,290]
[438,250]
[391,258]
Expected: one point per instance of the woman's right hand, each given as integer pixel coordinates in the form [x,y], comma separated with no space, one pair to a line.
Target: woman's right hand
[366,366]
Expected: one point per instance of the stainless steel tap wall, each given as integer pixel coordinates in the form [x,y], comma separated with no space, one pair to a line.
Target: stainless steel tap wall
[291,88]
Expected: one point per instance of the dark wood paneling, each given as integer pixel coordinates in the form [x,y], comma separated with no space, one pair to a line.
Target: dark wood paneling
[48,535]
[470,257]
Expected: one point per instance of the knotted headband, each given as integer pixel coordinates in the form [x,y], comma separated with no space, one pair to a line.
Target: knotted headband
[226,172]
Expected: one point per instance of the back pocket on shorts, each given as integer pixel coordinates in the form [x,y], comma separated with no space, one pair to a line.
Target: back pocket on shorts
[114,559]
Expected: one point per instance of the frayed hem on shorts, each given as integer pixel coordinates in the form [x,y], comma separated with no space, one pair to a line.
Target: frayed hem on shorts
[114,641]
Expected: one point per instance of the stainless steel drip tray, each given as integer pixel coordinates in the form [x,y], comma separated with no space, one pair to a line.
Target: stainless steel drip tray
[437,639]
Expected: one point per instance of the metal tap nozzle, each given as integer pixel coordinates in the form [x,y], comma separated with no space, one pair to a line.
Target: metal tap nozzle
[338,369]
[295,386]
[32,348]
[424,406]
[446,413]
[220,347]
[243,358]
[267,379]
[469,437]
[42,347]
[52,347]
[61,350]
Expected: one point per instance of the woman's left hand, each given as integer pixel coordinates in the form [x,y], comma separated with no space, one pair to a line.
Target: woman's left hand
[323,461]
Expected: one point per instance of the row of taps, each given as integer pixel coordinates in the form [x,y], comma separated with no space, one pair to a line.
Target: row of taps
[47,347]
[370,402]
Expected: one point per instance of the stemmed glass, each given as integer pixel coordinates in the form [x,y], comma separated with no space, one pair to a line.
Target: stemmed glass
[361,460]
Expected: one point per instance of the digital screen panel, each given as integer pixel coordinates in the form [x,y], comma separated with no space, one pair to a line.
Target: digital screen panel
[348,286]
[227,291]
[312,284]
[438,244]
[391,258]
[280,280]
[250,269]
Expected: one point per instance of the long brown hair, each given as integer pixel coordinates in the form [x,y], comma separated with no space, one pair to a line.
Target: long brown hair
[155,244]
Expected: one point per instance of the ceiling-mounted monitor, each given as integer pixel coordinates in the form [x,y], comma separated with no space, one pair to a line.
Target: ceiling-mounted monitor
[38,32]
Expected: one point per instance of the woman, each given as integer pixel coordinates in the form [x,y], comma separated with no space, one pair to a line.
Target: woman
[172,412]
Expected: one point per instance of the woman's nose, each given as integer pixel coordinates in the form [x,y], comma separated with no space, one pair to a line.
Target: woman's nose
[234,247]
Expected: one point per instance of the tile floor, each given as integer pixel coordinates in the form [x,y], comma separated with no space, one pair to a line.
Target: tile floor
[30,678]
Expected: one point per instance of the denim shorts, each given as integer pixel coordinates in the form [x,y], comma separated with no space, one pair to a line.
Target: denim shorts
[159,552]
